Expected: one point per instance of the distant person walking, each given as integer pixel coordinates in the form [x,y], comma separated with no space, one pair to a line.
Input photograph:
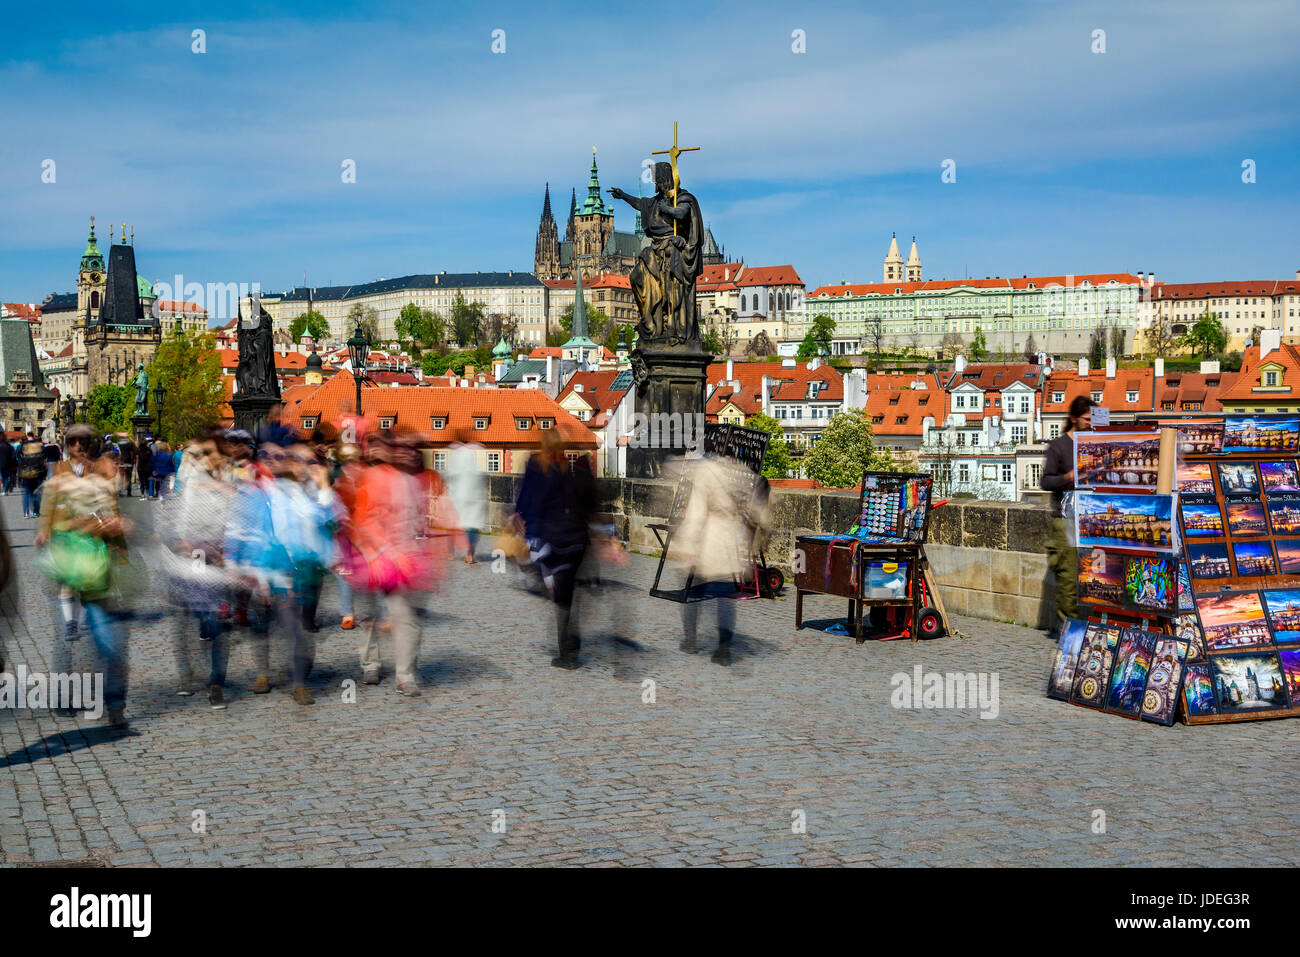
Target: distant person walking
[1058,478]
[8,466]
[467,488]
[161,470]
[31,471]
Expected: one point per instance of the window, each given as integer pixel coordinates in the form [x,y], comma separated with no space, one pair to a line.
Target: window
[1191,407]
[1270,378]
[494,461]
[545,423]
[1096,397]
[386,422]
[439,422]
[1033,475]
[1058,396]
[961,402]
[1018,434]
[963,473]
[1054,430]
[1166,407]
[1024,405]
[480,425]
[309,422]
[523,424]
[961,438]
[1007,469]
[440,461]
[1131,396]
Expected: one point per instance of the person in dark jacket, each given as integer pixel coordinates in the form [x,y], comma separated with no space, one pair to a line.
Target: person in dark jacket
[556,502]
[8,465]
[162,468]
[31,464]
[1058,478]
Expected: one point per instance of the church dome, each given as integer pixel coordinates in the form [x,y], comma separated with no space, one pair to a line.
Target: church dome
[501,350]
[314,360]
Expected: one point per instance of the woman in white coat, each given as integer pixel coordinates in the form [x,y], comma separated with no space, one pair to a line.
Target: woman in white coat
[467,487]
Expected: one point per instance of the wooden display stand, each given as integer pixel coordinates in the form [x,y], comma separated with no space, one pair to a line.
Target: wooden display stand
[838,566]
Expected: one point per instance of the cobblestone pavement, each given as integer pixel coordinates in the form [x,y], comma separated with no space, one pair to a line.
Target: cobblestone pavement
[585,772]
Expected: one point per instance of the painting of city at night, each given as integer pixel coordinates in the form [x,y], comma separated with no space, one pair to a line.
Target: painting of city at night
[1124,521]
[1254,559]
[1209,560]
[1256,434]
[1198,690]
[1283,607]
[1202,520]
[1233,620]
[1290,659]
[1248,682]
[1101,578]
[1198,438]
[1116,459]
[1238,478]
[1280,476]
[1196,478]
[1246,519]
[1288,555]
[1284,517]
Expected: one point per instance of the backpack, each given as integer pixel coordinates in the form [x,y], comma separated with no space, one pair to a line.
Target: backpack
[33,463]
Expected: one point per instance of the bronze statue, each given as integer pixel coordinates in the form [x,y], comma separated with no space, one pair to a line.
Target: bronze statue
[255,374]
[663,280]
[141,383]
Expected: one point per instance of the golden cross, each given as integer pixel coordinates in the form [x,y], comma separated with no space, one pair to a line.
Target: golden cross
[673,152]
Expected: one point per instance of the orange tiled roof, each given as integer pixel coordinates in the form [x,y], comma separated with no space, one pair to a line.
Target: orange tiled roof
[912,406]
[596,391]
[769,276]
[1218,290]
[1114,392]
[1242,390]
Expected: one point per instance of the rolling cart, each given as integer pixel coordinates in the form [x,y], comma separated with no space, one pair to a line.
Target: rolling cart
[880,562]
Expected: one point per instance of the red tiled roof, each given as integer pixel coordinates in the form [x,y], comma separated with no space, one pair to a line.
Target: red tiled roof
[414,408]
[609,281]
[174,306]
[939,285]
[1114,392]
[596,391]
[1222,290]
[543,352]
[788,384]
[910,405]
[997,376]
[20,310]
[719,276]
[769,276]
[1242,390]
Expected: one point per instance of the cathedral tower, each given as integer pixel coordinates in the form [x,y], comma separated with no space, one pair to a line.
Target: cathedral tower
[913,264]
[593,226]
[546,257]
[893,261]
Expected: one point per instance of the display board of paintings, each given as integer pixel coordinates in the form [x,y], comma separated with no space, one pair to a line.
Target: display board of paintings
[1239,518]
[1120,670]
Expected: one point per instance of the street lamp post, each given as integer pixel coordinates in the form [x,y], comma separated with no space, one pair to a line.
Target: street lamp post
[158,393]
[358,349]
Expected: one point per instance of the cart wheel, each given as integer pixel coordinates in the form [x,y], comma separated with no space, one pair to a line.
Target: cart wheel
[773,580]
[931,623]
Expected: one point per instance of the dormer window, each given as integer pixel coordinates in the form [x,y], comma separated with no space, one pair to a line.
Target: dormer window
[386,422]
[523,424]
[439,422]
[480,424]
[545,423]
[1058,397]
[309,422]
[1131,396]
[1096,397]
[1270,378]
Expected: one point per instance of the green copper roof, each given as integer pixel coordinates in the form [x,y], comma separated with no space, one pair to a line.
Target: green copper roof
[579,337]
[92,258]
[501,349]
[594,205]
[145,287]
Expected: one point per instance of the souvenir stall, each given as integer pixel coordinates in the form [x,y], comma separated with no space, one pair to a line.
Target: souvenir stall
[1195,595]
[880,561]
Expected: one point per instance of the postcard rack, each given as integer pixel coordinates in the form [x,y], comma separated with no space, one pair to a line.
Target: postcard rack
[880,561]
[744,447]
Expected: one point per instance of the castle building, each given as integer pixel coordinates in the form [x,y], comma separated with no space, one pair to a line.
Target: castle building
[119,332]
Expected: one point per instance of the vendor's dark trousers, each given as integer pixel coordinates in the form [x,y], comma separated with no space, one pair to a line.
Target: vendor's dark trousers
[726,611]
[214,640]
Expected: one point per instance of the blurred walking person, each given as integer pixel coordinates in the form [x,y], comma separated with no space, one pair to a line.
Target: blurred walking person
[386,520]
[708,541]
[31,472]
[1058,478]
[8,466]
[467,487]
[557,500]
[161,470]
[83,543]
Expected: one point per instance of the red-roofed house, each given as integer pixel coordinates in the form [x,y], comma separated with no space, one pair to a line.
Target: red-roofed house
[801,396]
[1269,380]
[507,422]
[1245,307]
[600,401]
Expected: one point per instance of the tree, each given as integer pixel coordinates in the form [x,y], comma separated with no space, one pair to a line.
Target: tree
[466,320]
[598,324]
[498,326]
[873,337]
[1117,342]
[188,366]
[808,348]
[845,450]
[1160,339]
[310,323]
[1031,350]
[109,408]
[368,317]
[776,460]
[1207,336]
[822,329]
[1097,348]
[760,345]
[979,346]
[435,365]
[950,345]
[712,341]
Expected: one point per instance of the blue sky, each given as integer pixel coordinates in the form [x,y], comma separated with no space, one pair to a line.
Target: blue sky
[228,163]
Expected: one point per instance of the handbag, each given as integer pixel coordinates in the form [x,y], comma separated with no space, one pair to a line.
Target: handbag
[77,560]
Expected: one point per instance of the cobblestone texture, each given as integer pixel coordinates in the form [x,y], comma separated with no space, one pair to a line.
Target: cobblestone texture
[587,774]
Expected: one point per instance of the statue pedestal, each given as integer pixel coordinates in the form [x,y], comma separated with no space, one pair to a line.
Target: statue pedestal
[141,425]
[675,381]
[250,411]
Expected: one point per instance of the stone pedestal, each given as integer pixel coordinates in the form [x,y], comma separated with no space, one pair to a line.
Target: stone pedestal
[674,383]
[141,425]
[250,411]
